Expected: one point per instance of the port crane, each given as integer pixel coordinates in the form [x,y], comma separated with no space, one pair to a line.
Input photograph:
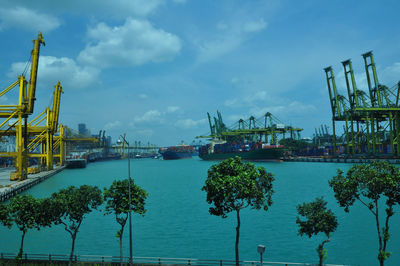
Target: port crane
[371,120]
[21,111]
[267,128]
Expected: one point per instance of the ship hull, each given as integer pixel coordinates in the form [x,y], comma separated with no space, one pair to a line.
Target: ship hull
[271,154]
[172,155]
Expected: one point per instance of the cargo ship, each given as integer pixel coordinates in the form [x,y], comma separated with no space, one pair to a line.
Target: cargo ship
[255,151]
[181,151]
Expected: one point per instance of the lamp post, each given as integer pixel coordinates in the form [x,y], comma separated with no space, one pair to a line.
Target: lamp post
[129,200]
[261,249]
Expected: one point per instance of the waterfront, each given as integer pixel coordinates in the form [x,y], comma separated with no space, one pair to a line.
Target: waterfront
[177,222]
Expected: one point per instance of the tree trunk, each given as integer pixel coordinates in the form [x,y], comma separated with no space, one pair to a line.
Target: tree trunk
[21,248]
[237,238]
[120,244]
[321,251]
[72,248]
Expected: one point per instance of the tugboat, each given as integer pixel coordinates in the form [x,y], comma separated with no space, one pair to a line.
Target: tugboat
[181,151]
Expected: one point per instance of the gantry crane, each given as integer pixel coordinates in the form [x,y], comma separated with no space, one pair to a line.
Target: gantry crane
[265,128]
[21,111]
[367,117]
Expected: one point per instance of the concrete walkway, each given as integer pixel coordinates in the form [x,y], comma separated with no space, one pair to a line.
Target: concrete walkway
[10,188]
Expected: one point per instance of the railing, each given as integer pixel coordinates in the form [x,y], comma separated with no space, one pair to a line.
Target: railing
[142,260]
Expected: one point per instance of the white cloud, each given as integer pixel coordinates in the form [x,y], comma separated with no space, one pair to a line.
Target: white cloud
[231,38]
[254,26]
[149,116]
[27,19]
[112,125]
[172,109]
[51,69]
[144,132]
[284,110]
[115,8]
[135,43]
[189,123]
[391,75]
[249,100]
[179,1]
[143,96]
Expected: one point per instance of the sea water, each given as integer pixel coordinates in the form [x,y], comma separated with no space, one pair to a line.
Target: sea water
[177,223]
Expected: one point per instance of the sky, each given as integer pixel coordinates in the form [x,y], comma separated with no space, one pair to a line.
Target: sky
[153,68]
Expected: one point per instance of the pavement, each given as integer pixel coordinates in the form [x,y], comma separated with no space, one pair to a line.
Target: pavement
[6,184]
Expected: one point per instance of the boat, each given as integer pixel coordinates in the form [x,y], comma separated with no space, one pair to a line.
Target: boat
[76,160]
[254,151]
[181,151]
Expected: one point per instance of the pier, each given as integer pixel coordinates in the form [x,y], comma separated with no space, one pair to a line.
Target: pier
[337,160]
[9,189]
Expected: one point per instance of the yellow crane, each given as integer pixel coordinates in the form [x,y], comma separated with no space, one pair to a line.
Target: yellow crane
[22,110]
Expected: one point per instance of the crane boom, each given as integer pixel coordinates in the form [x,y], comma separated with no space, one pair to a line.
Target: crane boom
[34,70]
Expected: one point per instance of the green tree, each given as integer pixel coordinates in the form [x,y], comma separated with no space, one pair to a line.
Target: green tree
[25,213]
[5,218]
[372,185]
[318,220]
[233,185]
[117,203]
[70,206]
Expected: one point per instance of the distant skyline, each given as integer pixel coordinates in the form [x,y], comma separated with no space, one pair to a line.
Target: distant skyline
[153,68]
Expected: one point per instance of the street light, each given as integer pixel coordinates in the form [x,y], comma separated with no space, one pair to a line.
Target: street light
[261,249]
[129,200]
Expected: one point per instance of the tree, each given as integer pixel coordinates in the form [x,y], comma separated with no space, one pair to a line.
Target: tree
[117,202]
[5,218]
[233,185]
[26,213]
[70,206]
[370,184]
[318,220]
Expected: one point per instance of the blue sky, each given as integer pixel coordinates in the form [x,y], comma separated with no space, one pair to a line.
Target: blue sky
[154,68]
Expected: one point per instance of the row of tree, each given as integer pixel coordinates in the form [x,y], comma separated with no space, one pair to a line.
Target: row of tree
[69,206]
[233,185]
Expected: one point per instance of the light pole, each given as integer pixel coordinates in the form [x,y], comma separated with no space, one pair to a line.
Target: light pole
[129,201]
[261,249]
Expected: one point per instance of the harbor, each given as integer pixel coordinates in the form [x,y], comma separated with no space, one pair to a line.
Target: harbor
[138,130]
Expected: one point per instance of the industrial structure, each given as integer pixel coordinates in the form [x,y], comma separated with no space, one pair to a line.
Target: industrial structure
[42,140]
[268,129]
[371,120]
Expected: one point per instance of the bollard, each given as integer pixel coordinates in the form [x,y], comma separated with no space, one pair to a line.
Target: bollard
[188,262]
[76,258]
[49,258]
[220,262]
[159,261]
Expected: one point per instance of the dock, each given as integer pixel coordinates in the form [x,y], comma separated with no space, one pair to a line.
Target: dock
[340,160]
[9,189]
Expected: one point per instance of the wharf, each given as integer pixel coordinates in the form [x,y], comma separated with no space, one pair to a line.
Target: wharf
[9,189]
[339,160]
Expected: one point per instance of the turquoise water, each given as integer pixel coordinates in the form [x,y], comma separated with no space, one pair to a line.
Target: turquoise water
[177,222]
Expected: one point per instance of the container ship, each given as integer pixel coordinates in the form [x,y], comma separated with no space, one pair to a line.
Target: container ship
[181,151]
[255,151]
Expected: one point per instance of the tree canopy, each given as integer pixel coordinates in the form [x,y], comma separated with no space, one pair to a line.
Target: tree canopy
[232,185]
[5,217]
[370,184]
